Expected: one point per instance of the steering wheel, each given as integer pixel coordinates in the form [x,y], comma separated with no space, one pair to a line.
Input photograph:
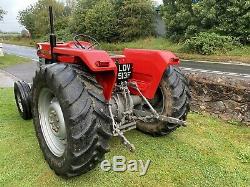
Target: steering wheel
[77,43]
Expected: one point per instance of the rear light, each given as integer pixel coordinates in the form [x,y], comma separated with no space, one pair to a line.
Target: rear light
[174,60]
[102,64]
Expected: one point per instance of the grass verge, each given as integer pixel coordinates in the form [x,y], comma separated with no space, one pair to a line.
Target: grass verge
[21,41]
[10,60]
[209,152]
[240,54]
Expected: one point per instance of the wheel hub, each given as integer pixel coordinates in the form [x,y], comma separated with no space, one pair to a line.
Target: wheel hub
[54,122]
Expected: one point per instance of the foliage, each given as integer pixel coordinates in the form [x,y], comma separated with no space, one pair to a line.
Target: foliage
[77,23]
[180,19]
[210,43]
[234,18]
[25,33]
[35,17]
[185,19]
[113,20]
[106,20]
[2,12]
[100,21]
[27,19]
[135,19]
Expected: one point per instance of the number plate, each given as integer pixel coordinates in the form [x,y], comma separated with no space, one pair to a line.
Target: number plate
[124,72]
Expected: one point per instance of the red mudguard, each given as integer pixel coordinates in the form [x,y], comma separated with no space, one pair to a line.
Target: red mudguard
[148,68]
[68,53]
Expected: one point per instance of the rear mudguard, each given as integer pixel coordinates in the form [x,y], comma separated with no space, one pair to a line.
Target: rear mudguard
[105,76]
[68,53]
[148,68]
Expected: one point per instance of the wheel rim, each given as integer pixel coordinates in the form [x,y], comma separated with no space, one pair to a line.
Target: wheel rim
[52,122]
[19,102]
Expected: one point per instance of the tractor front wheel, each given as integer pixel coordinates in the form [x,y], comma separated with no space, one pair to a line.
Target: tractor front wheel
[72,132]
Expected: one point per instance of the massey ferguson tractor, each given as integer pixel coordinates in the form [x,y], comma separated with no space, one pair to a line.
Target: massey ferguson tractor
[81,97]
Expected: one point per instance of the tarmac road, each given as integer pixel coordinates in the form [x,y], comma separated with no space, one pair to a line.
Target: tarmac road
[238,70]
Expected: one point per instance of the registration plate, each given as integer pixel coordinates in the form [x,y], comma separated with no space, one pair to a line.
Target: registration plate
[124,72]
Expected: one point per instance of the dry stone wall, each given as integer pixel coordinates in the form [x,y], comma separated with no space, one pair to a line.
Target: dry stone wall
[222,96]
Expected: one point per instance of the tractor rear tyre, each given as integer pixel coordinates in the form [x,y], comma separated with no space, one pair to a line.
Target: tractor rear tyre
[22,93]
[172,99]
[70,120]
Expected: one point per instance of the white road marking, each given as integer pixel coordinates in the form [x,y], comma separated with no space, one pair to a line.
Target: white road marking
[226,63]
[216,72]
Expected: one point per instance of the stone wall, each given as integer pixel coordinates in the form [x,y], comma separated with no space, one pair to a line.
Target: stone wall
[222,96]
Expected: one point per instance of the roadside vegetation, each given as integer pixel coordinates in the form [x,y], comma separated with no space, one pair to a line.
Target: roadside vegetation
[209,152]
[18,40]
[238,54]
[10,60]
[199,29]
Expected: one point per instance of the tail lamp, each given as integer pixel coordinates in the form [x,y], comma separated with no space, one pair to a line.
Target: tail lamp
[102,64]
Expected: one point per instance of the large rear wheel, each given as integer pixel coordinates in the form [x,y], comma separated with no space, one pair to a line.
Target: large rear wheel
[71,128]
[171,99]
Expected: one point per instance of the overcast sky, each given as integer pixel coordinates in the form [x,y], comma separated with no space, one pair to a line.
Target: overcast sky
[10,23]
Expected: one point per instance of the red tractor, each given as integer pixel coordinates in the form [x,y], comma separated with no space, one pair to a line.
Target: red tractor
[81,97]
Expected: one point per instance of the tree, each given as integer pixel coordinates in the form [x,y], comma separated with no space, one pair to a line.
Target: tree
[131,19]
[135,19]
[101,21]
[27,19]
[2,12]
[186,18]
[25,33]
[180,19]
[35,18]
[77,23]
[234,18]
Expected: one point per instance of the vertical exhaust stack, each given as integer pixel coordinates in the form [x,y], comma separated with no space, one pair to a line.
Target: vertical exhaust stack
[52,34]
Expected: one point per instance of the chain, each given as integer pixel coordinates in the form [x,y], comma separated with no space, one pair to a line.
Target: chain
[117,131]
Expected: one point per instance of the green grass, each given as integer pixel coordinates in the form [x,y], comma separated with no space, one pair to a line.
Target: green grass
[148,43]
[10,60]
[209,152]
[20,41]
[239,54]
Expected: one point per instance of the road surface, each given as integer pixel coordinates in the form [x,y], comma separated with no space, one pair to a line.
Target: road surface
[239,70]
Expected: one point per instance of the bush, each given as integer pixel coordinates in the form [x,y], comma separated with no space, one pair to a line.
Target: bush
[135,19]
[210,43]
[186,18]
[101,21]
